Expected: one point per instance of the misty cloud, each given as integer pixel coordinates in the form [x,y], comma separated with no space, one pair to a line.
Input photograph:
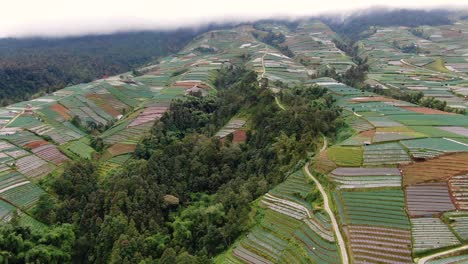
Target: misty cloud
[73,17]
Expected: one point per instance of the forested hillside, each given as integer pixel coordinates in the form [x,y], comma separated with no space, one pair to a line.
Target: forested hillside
[36,65]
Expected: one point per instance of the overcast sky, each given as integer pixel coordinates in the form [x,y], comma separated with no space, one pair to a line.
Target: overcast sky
[75,17]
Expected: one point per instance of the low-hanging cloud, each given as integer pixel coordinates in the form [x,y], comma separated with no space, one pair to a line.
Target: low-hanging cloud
[54,18]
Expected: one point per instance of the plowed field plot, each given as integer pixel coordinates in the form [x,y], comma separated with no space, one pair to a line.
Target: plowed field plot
[370,244]
[322,163]
[62,111]
[431,233]
[108,103]
[23,196]
[462,131]
[432,147]
[425,110]
[437,169]
[120,148]
[426,199]
[366,177]
[50,153]
[458,221]
[33,166]
[150,114]
[458,186]
[385,154]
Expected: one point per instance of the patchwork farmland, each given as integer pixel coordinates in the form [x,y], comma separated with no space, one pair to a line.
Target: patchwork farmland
[398,179]
[397,182]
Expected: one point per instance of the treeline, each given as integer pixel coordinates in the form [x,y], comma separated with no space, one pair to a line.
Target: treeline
[33,66]
[415,98]
[356,25]
[274,39]
[186,196]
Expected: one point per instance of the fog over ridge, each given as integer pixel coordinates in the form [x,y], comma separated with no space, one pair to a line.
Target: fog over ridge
[56,18]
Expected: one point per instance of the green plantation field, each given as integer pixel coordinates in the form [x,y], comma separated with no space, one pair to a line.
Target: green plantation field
[346,156]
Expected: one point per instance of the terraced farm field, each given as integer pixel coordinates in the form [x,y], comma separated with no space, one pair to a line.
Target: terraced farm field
[427,199]
[291,229]
[437,169]
[351,178]
[377,225]
[431,233]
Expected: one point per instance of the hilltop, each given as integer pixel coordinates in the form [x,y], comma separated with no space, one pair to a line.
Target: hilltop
[269,142]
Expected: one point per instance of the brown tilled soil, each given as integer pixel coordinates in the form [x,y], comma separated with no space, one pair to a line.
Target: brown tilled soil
[36,144]
[435,170]
[368,133]
[120,148]
[425,110]
[323,163]
[61,110]
[104,102]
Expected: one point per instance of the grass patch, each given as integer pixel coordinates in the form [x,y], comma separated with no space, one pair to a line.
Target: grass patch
[346,156]
[437,65]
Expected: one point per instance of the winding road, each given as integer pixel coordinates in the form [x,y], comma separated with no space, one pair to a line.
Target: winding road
[326,205]
[425,259]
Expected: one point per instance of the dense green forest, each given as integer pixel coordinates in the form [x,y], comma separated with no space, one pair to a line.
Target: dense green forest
[354,26]
[186,196]
[38,65]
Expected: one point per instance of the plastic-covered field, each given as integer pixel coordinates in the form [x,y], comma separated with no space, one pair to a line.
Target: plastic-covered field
[383,208]
[33,166]
[458,221]
[10,177]
[432,147]
[50,153]
[427,199]
[461,131]
[458,186]
[350,178]
[385,154]
[431,233]
[382,122]
[22,196]
[358,124]
[395,136]
[434,131]
[288,220]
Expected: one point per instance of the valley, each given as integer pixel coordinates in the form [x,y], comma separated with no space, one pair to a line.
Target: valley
[340,174]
